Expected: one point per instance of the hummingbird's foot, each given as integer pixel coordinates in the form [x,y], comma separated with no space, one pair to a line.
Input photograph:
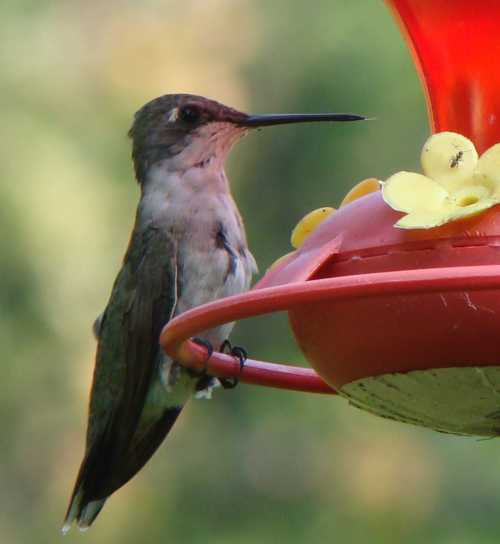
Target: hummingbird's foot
[210,349]
[207,345]
[235,351]
[205,383]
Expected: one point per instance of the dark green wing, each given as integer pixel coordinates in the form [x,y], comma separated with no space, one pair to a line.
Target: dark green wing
[142,301]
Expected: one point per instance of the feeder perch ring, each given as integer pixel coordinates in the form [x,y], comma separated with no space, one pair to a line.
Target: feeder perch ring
[175,337]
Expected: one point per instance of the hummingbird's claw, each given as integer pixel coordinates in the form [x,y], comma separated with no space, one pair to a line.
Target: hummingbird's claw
[226,346]
[206,344]
[241,354]
[205,380]
[210,349]
[236,351]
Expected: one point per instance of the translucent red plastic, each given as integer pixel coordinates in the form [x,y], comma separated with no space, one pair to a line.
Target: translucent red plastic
[456,47]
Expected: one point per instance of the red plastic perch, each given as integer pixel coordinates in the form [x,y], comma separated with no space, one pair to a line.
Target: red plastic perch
[175,336]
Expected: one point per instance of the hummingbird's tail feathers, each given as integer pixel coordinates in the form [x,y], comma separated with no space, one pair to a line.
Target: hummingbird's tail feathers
[104,469]
[84,493]
[80,509]
[89,513]
[83,514]
[72,513]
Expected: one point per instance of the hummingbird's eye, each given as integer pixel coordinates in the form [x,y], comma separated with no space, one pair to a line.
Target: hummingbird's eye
[190,114]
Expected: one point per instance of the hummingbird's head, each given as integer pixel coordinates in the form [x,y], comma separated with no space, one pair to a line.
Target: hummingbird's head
[186,131]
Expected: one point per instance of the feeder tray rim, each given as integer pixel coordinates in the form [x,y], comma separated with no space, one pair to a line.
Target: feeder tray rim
[175,337]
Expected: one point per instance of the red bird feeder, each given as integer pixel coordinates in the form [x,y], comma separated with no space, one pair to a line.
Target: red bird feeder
[405,323]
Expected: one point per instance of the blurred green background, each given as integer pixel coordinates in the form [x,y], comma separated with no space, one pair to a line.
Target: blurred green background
[252,465]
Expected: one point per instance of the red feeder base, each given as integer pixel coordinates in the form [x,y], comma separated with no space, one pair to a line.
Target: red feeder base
[403,323]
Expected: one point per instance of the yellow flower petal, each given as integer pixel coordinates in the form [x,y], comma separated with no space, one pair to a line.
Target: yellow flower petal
[425,219]
[488,168]
[408,192]
[449,158]
[308,224]
[482,180]
[363,188]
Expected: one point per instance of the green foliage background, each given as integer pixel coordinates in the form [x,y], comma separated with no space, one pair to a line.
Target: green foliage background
[253,465]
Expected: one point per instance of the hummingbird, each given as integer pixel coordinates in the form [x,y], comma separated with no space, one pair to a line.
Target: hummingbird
[188,247]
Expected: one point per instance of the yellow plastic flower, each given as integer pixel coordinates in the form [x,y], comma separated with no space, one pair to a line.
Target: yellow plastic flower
[455,184]
[369,185]
[310,222]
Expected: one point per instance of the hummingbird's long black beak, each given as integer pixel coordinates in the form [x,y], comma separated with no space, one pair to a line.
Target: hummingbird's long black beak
[286,118]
